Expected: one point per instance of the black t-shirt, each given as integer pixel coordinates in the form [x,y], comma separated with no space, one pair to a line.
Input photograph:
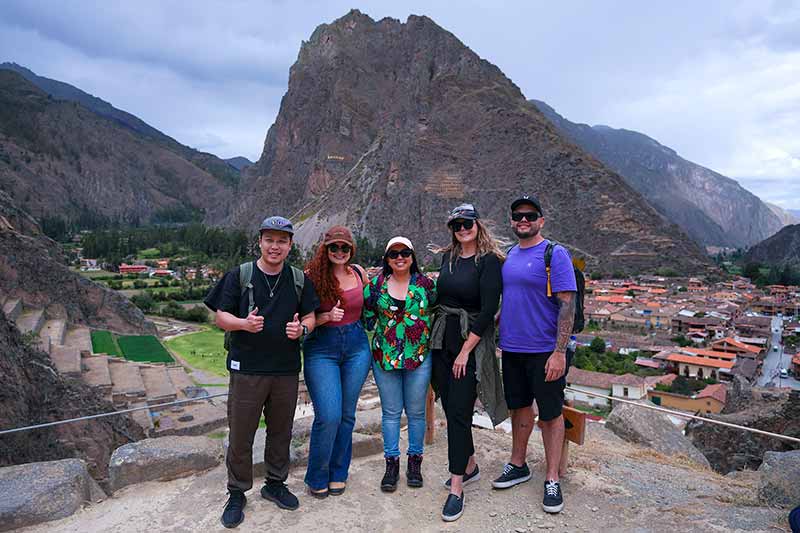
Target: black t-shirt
[270,351]
[473,287]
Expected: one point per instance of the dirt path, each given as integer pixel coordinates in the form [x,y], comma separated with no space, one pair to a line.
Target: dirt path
[612,486]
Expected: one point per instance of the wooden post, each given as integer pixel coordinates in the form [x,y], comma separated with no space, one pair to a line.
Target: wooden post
[430,415]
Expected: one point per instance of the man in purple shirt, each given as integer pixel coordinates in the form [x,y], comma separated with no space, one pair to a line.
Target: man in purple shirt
[534,332]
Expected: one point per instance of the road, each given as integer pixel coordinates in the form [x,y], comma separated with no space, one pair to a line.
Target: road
[775,360]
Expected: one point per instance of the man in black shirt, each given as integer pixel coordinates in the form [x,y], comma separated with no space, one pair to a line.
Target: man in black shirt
[258,305]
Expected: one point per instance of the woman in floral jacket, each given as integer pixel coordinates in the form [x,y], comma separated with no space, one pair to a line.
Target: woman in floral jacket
[396,304]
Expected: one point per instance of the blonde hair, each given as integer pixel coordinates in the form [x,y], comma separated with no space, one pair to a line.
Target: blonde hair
[486,243]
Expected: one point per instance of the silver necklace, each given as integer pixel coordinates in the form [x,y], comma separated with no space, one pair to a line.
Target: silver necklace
[271,287]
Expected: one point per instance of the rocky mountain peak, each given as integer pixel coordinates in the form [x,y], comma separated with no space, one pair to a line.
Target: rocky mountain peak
[387,125]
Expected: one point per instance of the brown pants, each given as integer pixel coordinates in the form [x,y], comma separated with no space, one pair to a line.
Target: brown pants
[249,396]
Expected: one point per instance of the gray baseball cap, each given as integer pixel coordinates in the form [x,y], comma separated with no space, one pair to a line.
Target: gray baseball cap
[277,224]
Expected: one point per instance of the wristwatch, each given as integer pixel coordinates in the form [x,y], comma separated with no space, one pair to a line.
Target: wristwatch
[305,330]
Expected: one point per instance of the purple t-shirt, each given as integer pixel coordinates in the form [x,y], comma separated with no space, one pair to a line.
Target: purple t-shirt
[528,318]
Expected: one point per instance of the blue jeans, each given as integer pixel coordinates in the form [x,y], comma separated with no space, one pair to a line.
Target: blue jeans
[336,363]
[403,389]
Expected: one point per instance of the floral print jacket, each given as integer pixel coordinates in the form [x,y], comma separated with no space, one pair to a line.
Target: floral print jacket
[401,335]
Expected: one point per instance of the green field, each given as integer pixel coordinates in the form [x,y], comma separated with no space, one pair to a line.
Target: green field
[203,350]
[103,342]
[144,349]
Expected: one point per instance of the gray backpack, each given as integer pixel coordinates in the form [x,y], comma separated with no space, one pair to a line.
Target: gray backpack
[246,285]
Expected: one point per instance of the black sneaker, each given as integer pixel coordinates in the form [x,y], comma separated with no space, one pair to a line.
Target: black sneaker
[553,501]
[453,508]
[389,481]
[512,475]
[233,514]
[278,492]
[475,475]
[414,471]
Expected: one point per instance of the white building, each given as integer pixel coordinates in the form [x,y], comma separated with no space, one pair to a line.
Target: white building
[583,381]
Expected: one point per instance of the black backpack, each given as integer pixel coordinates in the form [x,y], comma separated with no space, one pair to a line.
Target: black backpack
[580,282]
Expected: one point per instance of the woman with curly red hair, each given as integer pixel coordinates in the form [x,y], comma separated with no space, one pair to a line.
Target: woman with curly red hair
[336,361]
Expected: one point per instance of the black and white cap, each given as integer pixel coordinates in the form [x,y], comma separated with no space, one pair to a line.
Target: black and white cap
[527,199]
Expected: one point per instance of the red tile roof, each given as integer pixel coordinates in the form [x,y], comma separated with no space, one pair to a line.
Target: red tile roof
[710,353]
[737,344]
[699,361]
[718,392]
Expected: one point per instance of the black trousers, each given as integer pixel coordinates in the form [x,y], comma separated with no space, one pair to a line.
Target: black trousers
[458,400]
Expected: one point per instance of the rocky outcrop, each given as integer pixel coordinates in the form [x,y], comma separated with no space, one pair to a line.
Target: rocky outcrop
[40,492]
[162,459]
[652,429]
[390,121]
[729,449]
[33,392]
[59,158]
[779,479]
[713,209]
[781,249]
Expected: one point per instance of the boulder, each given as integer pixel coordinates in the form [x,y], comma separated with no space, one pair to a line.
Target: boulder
[162,459]
[652,429]
[40,492]
[779,479]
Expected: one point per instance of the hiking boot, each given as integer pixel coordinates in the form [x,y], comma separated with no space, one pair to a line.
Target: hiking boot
[475,475]
[278,492]
[414,471]
[233,514]
[512,475]
[389,481]
[453,508]
[553,500]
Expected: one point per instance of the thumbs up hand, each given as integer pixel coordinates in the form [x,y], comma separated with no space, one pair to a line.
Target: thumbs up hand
[253,323]
[294,329]
[337,312]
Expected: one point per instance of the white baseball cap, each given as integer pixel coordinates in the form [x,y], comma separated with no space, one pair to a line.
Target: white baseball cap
[399,240]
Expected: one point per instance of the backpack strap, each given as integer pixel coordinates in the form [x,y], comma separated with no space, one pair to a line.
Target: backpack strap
[357,269]
[246,283]
[548,258]
[299,279]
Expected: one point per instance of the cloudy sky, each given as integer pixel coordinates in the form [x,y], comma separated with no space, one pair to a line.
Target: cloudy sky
[718,81]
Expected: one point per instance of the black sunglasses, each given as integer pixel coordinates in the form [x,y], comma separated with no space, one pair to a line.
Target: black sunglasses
[530,216]
[394,254]
[335,248]
[456,226]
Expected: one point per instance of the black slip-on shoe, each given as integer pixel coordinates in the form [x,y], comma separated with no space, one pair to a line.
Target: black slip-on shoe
[473,476]
[453,508]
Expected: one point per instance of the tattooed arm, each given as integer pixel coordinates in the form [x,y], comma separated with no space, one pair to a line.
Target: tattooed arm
[557,362]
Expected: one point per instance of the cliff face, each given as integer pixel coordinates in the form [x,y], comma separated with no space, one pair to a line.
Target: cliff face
[32,392]
[713,209]
[58,158]
[386,126]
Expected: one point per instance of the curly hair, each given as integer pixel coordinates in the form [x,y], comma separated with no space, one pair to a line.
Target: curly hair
[320,270]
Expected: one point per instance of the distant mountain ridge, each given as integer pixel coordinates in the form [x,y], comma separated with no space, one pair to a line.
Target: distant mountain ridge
[713,209]
[64,91]
[239,163]
[60,159]
[386,126]
[781,249]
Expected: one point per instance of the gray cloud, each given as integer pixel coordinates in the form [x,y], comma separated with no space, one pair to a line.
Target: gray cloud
[716,80]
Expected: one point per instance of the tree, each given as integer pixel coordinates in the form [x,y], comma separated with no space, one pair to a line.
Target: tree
[752,271]
[144,302]
[598,345]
